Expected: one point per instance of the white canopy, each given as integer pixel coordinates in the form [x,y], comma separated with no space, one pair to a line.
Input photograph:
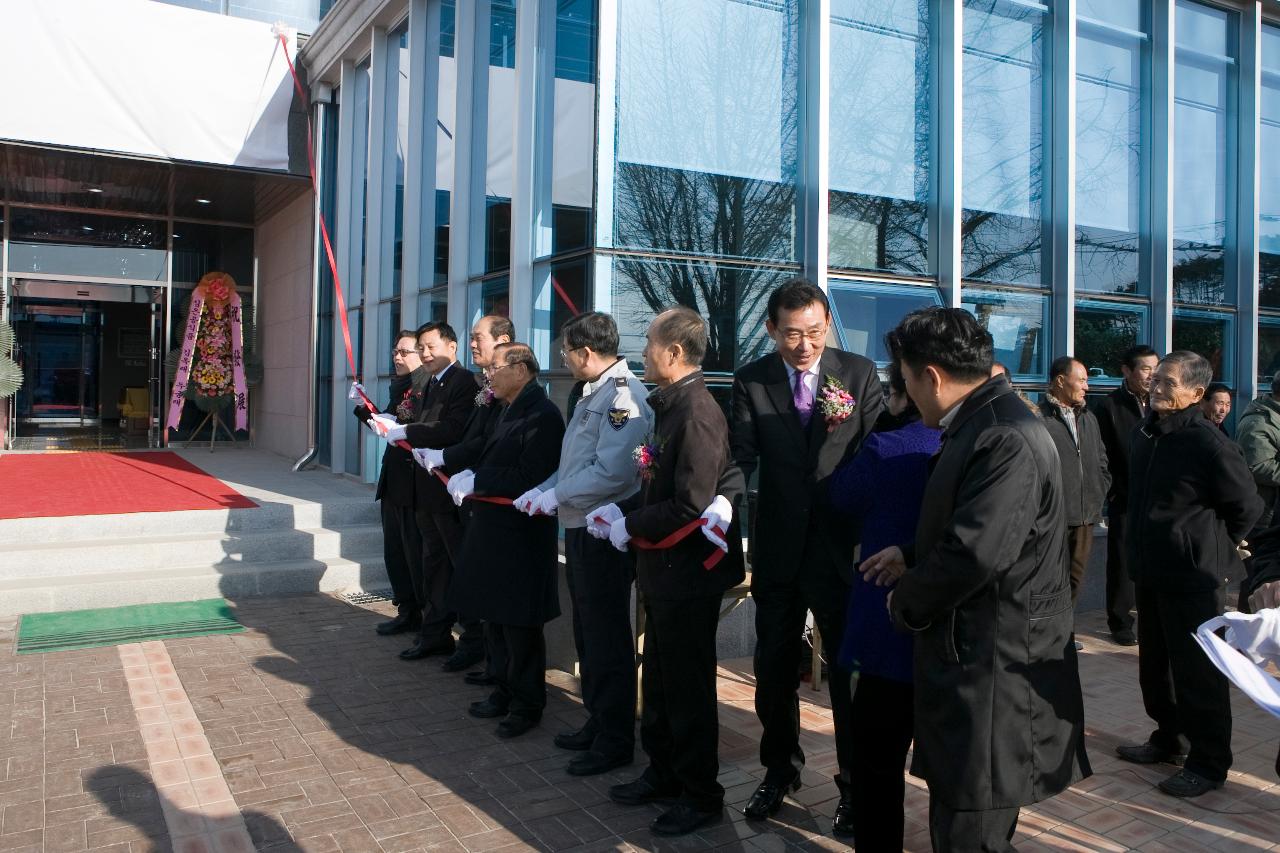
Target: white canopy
[137,77]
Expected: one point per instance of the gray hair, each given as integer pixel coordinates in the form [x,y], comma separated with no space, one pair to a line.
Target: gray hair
[1194,369]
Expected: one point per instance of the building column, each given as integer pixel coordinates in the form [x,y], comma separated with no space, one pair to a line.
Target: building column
[1159,174]
[815,137]
[1062,178]
[470,158]
[418,268]
[342,232]
[1243,254]
[949,149]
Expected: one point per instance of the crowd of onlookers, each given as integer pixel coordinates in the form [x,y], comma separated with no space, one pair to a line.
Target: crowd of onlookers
[938,532]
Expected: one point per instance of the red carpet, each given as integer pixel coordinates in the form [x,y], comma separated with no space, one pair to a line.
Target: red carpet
[45,485]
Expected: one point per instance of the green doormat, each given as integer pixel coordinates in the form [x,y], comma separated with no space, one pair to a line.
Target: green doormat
[113,626]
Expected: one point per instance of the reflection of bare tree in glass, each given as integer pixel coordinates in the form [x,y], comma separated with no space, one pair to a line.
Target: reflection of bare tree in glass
[1203,337]
[689,212]
[1102,338]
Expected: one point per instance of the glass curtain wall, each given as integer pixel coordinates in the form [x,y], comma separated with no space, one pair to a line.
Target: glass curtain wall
[1269,197]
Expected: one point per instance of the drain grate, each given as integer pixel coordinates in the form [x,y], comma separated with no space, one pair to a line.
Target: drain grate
[365,597]
[112,626]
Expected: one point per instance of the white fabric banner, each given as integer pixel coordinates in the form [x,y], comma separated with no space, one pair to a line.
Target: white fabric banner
[1252,642]
[137,77]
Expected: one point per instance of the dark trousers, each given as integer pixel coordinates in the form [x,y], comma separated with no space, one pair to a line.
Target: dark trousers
[1182,691]
[970,831]
[883,709]
[441,543]
[401,551]
[1120,594]
[518,658]
[680,729]
[599,578]
[1079,547]
[476,626]
[780,612]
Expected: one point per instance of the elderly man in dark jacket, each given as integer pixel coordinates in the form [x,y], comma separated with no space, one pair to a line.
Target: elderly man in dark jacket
[1192,502]
[509,559]
[1085,478]
[999,718]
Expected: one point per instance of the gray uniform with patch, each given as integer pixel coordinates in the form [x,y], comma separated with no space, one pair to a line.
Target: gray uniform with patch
[611,420]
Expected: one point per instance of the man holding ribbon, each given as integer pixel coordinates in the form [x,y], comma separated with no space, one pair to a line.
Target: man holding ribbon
[682,581]
[510,560]
[609,421]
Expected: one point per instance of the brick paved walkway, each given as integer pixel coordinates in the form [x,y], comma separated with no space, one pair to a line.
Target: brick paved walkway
[326,741]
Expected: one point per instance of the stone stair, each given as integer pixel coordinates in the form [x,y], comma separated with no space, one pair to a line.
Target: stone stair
[310,532]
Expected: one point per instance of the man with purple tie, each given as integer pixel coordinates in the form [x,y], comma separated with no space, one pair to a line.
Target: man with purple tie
[797,415]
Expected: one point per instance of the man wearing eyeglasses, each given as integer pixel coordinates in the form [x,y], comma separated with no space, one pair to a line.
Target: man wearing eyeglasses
[793,421]
[401,541]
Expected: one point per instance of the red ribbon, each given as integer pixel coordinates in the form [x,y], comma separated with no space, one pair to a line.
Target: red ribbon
[498,501]
[673,539]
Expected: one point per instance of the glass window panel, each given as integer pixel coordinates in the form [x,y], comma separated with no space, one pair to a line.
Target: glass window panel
[490,297]
[707,138]
[880,141]
[1019,327]
[500,136]
[1268,352]
[446,114]
[433,306]
[502,33]
[60,243]
[571,295]
[360,171]
[324,308]
[731,298]
[1269,198]
[398,111]
[574,125]
[200,248]
[1210,335]
[1004,104]
[1103,332]
[389,323]
[448,17]
[1108,160]
[1201,145]
[1118,13]
[864,312]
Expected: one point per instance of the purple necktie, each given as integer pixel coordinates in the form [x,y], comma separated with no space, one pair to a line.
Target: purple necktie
[803,399]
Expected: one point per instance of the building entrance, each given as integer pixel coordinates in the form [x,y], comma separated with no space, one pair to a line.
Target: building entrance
[90,361]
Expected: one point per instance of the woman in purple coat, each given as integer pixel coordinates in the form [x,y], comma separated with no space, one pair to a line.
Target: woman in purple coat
[882,489]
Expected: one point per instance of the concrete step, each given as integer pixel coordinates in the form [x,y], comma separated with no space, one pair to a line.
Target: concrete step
[189,583]
[215,550]
[266,516]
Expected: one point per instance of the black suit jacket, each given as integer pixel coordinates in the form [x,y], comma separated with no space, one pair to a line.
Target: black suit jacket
[999,718]
[795,528]
[395,481]
[443,419]
[475,435]
[1118,416]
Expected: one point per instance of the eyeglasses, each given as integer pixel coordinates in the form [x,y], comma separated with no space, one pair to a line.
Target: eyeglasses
[405,352]
[492,371]
[813,336]
[564,353]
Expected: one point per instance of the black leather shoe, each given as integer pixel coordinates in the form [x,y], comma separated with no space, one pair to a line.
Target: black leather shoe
[421,650]
[591,763]
[842,823]
[514,725]
[1149,753]
[682,819]
[487,708]
[641,791]
[480,678]
[768,798]
[400,624]
[1124,638]
[582,739]
[1186,784]
[462,659]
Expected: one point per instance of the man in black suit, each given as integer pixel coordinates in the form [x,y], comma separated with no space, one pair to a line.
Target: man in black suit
[401,542]
[450,397]
[999,718]
[785,421]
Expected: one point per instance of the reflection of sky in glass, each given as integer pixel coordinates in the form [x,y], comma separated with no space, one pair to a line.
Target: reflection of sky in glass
[1269,236]
[1126,14]
[1202,28]
[1200,126]
[1002,108]
[865,312]
[701,86]
[1017,325]
[1108,131]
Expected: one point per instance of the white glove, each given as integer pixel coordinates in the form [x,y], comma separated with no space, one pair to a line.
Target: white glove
[421,455]
[382,423]
[461,485]
[525,502]
[432,458]
[356,391]
[718,516]
[601,519]
[546,504]
[1256,634]
[618,534]
[395,433]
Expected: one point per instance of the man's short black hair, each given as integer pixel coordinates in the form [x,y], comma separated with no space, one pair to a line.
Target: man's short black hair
[446,331]
[795,294]
[1217,388]
[948,338]
[594,329]
[517,353]
[1129,358]
[499,326]
[1061,366]
[683,326]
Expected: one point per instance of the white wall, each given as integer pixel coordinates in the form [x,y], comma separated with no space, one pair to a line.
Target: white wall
[283,245]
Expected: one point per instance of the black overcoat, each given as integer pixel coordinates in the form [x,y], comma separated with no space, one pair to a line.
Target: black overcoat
[509,561]
[395,480]
[999,718]
[449,404]
[1118,415]
[692,438]
[795,463]
[1085,475]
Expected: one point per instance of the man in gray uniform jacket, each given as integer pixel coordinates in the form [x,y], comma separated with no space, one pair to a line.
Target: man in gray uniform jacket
[608,423]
